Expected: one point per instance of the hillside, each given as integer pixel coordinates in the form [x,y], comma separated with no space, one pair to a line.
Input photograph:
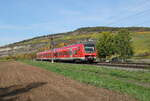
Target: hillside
[141,36]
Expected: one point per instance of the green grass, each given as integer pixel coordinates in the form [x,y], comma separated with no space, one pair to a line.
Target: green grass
[133,83]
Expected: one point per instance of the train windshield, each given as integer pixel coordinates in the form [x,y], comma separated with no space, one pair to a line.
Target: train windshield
[89,48]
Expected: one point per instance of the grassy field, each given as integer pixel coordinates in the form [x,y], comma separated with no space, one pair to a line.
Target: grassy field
[133,83]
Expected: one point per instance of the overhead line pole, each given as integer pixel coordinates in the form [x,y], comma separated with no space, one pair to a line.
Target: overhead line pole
[52,48]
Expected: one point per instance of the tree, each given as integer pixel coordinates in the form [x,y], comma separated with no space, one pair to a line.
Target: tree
[123,44]
[115,45]
[105,45]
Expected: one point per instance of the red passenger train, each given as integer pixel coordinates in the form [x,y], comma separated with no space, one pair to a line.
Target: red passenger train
[82,52]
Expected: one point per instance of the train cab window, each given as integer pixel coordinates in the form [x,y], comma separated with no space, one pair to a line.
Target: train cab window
[89,48]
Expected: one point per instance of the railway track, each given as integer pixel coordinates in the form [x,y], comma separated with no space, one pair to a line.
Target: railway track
[126,65]
[121,65]
[112,64]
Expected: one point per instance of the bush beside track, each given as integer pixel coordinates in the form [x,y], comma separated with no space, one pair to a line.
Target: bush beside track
[134,83]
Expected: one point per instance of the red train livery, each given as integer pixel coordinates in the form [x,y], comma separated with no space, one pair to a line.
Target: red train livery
[83,52]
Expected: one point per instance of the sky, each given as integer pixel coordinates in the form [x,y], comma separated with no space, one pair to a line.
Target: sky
[23,19]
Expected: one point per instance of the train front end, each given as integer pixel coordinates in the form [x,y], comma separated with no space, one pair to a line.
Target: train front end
[90,52]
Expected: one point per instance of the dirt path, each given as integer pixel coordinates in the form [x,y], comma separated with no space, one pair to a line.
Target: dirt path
[21,82]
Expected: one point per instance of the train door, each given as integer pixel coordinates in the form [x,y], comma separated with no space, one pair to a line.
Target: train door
[70,52]
[75,52]
[80,51]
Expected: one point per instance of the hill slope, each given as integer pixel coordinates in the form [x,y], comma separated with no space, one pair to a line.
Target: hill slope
[141,36]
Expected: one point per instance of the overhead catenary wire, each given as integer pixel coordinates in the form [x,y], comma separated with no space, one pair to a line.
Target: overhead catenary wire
[128,17]
[122,12]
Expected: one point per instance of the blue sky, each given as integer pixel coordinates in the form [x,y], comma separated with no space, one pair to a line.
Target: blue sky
[23,19]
